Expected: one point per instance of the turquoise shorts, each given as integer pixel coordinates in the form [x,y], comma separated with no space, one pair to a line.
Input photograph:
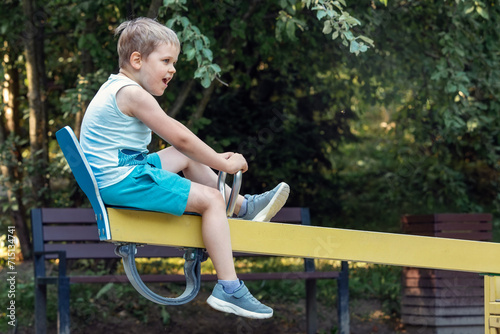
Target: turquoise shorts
[148,187]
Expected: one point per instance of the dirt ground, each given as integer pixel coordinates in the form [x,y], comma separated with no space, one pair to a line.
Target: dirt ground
[198,317]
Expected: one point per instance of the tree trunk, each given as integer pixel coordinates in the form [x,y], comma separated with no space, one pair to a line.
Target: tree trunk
[87,68]
[33,39]
[181,98]
[154,8]
[207,94]
[11,162]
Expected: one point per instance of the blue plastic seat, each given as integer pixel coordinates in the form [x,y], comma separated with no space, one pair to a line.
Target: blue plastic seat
[85,177]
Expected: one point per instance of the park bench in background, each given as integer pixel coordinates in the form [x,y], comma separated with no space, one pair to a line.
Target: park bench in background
[69,233]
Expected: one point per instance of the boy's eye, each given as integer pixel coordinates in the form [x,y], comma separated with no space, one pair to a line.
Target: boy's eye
[169,61]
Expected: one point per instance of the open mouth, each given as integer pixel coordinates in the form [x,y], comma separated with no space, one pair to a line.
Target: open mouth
[165,81]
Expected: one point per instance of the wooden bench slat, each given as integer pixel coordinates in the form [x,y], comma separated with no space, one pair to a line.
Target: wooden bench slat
[86,215]
[83,251]
[288,215]
[70,233]
[437,274]
[478,236]
[449,226]
[124,279]
[205,277]
[463,217]
[447,217]
[107,251]
[289,275]
[68,215]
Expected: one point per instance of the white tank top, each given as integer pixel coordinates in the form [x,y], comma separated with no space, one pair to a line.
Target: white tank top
[113,142]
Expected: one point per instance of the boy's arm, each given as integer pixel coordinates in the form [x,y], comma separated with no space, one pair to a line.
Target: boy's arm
[136,102]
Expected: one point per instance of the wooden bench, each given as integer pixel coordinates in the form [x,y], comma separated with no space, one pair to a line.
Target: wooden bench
[67,233]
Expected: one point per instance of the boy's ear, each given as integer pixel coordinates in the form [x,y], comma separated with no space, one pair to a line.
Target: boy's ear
[136,60]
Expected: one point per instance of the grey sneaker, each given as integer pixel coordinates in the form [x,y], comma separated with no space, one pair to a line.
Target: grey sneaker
[263,207]
[241,303]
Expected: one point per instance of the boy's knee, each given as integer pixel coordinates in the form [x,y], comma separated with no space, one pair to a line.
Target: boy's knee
[214,197]
[209,198]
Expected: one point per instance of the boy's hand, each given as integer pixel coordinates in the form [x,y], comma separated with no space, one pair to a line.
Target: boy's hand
[236,162]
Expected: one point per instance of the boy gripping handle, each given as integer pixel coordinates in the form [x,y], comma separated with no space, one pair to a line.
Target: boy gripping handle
[116,131]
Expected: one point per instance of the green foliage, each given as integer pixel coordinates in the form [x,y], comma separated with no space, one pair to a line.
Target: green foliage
[81,53]
[337,22]
[195,45]
[9,154]
[86,87]
[24,302]
[377,282]
[98,303]
[410,126]
[427,132]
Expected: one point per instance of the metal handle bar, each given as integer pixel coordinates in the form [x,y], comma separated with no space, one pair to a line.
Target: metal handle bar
[235,190]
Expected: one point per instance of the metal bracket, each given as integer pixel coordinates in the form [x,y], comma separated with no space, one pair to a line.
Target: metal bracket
[193,258]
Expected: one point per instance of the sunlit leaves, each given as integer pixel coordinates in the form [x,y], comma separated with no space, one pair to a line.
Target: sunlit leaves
[338,22]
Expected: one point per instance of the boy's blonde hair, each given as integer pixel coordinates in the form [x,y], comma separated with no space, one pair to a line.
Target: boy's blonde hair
[142,35]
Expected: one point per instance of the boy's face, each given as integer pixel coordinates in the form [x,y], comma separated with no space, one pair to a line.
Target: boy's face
[158,69]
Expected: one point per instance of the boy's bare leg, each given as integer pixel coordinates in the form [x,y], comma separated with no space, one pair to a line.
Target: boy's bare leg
[174,161]
[206,200]
[215,228]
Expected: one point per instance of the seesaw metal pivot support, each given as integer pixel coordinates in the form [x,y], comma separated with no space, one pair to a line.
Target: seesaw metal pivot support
[192,270]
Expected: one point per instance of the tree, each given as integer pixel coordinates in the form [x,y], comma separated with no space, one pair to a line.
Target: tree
[35,74]
[430,112]
[11,131]
[407,126]
[81,51]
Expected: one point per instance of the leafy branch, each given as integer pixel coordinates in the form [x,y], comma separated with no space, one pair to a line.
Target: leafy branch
[195,45]
[337,22]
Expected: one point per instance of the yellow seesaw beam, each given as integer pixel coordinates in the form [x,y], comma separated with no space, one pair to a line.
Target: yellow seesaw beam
[308,241]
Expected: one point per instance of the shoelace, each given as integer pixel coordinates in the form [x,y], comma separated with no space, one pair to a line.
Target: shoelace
[252,298]
[260,195]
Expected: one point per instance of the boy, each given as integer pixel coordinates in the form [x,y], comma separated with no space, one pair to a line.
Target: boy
[115,133]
